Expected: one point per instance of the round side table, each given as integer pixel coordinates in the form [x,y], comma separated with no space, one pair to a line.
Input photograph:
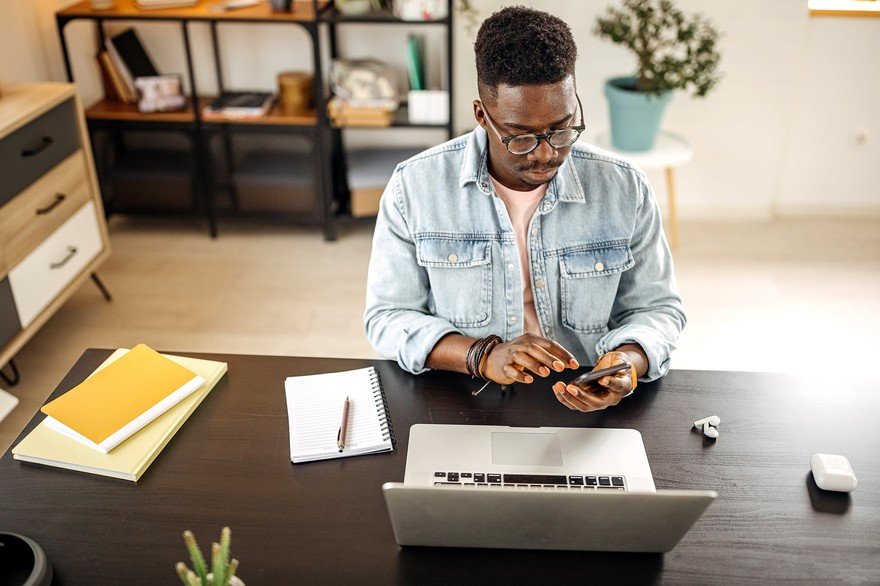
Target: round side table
[669,151]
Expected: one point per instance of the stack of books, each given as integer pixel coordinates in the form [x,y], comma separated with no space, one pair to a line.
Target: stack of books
[361,113]
[238,105]
[117,421]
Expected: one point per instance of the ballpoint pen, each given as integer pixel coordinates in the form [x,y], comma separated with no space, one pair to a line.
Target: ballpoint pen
[343,427]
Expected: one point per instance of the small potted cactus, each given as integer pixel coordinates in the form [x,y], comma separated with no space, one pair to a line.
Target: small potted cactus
[222,570]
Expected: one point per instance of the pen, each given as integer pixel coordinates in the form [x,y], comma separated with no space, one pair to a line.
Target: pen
[343,427]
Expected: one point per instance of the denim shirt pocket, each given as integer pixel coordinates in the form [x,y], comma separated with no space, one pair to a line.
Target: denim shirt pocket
[589,285]
[460,275]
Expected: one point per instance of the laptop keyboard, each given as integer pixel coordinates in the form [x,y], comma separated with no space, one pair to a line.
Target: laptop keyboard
[532,481]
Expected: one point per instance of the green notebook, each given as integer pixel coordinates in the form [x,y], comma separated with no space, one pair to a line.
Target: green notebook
[415,61]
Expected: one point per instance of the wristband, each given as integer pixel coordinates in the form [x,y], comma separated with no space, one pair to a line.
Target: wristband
[477,352]
[634,374]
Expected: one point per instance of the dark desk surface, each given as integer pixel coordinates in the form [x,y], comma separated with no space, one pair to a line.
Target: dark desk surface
[325,522]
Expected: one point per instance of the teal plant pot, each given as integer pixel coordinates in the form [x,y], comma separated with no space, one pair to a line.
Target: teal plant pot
[635,116]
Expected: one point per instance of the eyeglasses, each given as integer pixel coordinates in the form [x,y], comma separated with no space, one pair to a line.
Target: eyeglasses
[523,144]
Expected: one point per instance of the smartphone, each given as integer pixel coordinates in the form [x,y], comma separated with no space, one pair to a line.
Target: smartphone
[589,377]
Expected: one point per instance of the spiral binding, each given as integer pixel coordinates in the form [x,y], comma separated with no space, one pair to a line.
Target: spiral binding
[382,407]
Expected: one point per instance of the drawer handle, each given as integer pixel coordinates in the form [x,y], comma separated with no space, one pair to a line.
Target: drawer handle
[59,197]
[71,250]
[44,144]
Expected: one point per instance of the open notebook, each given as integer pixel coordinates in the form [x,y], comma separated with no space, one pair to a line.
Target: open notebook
[314,408]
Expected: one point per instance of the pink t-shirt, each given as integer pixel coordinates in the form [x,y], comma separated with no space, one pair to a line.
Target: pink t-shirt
[521,206]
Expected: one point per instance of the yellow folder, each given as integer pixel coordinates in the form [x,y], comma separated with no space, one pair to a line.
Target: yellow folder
[117,401]
[131,458]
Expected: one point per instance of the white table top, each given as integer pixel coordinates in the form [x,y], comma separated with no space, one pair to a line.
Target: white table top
[670,150]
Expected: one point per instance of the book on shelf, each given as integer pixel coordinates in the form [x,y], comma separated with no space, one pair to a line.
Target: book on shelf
[415,61]
[128,55]
[236,105]
[130,459]
[110,92]
[116,89]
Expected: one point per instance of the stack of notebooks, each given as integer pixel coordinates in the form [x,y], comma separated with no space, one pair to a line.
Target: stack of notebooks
[238,105]
[117,421]
[361,113]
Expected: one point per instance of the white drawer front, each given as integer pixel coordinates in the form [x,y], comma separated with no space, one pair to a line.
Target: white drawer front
[44,273]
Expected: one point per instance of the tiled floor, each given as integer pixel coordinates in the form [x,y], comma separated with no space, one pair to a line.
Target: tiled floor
[783,296]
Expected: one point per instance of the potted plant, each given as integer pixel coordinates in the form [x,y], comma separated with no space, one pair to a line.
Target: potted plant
[222,570]
[673,51]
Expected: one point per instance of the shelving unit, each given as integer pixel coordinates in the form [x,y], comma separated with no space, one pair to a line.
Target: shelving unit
[329,176]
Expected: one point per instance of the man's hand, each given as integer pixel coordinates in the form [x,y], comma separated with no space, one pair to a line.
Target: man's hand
[603,393]
[509,361]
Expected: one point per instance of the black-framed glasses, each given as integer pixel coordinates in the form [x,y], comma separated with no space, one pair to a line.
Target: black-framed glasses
[523,144]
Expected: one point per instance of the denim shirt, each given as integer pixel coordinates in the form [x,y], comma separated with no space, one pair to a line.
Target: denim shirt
[444,259]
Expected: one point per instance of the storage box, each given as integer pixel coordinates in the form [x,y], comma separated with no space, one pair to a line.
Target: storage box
[428,106]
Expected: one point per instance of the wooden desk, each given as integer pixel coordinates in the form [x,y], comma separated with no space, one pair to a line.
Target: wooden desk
[325,522]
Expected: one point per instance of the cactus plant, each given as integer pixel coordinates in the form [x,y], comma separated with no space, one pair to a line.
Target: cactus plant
[222,568]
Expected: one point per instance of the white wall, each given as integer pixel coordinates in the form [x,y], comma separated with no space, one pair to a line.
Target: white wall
[779,135]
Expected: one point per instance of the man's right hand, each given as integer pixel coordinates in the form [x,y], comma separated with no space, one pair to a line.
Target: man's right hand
[509,362]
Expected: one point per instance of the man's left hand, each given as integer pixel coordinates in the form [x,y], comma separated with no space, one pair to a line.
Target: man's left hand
[600,394]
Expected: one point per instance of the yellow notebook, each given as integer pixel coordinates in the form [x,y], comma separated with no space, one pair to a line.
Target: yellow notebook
[131,458]
[117,401]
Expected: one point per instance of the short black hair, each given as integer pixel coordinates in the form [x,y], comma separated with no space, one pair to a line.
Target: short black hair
[521,46]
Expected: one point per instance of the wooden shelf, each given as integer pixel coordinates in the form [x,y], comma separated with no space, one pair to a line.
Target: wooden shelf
[846,8]
[273,117]
[111,110]
[401,120]
[377,17]
[301,11]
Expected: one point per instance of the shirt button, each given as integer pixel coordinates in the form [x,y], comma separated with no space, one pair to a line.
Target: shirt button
[453,257]
[534,231]
[540,283]
[511,319]
[510,267]
[547,206]
[600,266]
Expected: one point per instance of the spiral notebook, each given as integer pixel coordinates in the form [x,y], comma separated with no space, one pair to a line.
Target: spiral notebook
[315,407]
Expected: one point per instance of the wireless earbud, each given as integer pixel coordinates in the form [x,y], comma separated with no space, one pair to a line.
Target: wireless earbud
[709,426]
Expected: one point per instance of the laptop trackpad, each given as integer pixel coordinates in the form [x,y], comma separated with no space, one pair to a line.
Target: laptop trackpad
[526,449]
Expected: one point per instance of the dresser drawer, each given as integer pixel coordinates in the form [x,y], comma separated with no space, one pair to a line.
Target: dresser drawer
[9,324]
[30,151]
[46,271]
[41,208]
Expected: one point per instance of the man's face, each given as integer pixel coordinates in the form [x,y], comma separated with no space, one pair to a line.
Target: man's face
[527,109]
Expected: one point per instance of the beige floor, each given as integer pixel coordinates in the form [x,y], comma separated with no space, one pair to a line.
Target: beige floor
[789,295]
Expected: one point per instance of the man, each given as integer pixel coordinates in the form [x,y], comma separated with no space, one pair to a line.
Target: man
[511,252]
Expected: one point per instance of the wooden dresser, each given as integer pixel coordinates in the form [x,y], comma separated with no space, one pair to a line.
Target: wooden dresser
[52,229]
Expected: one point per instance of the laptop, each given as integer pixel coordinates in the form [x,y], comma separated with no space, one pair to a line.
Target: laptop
[536,488]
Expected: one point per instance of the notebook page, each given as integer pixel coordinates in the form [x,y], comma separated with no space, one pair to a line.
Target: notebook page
[314,407]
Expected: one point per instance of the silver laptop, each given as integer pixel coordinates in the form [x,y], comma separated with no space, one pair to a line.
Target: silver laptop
[536,488]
